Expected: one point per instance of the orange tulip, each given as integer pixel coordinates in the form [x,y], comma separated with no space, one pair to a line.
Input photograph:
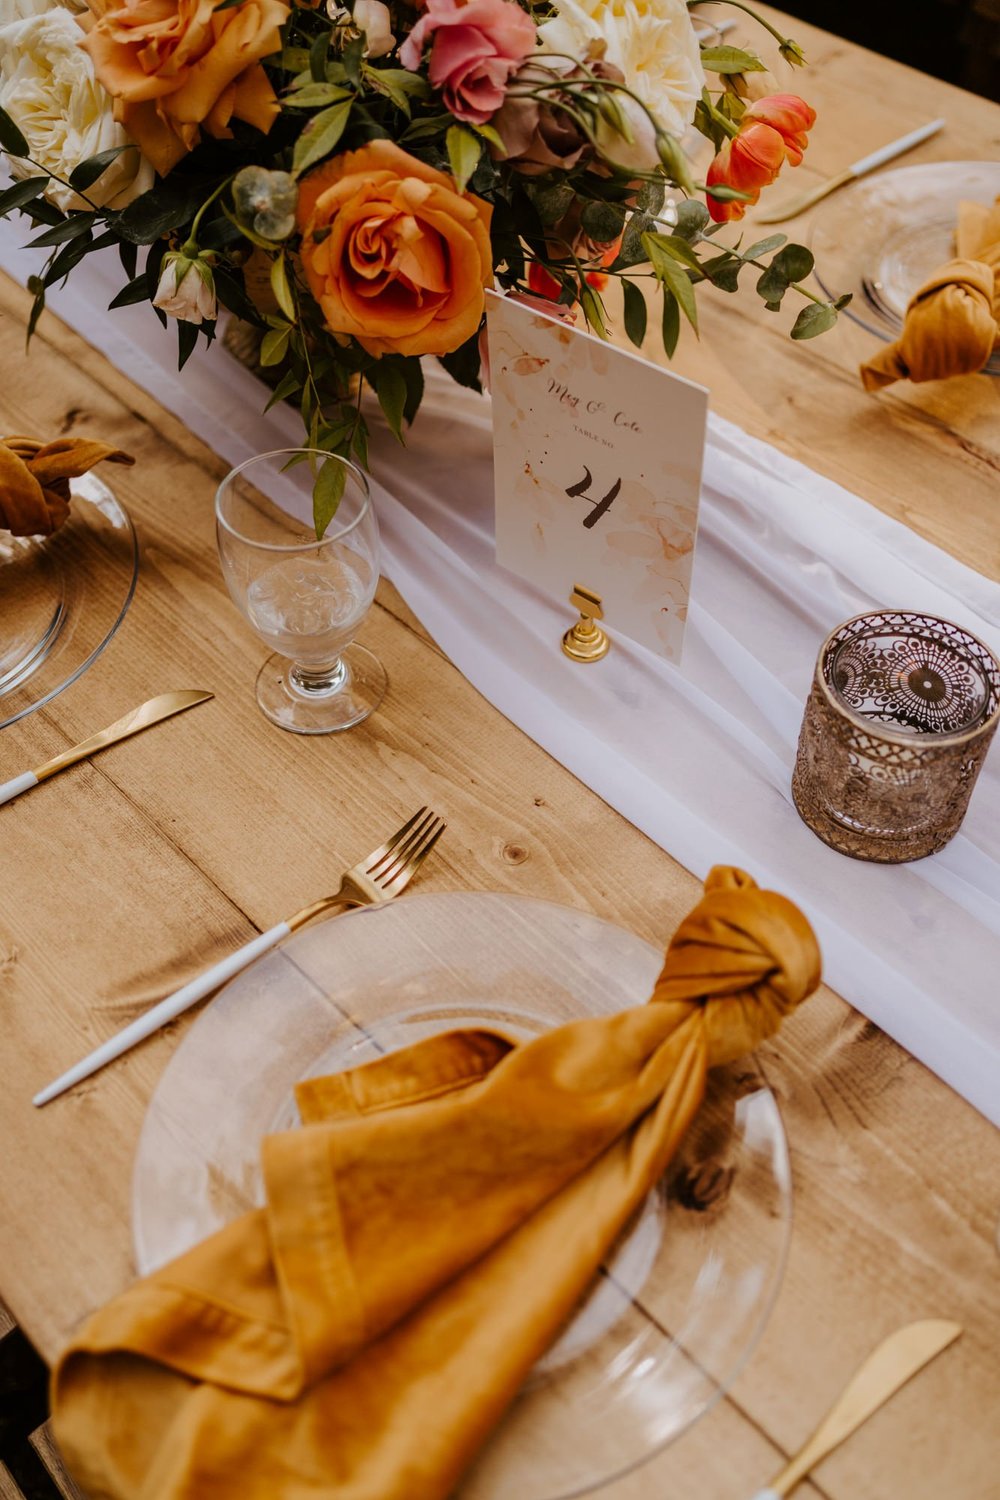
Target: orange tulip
[790,116]
[772,130]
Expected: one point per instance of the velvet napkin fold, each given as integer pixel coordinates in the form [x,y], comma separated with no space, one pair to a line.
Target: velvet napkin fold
[427,1233]
[35,476]
[952,323]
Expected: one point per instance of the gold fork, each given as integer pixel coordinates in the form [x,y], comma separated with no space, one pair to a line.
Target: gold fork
[375,879]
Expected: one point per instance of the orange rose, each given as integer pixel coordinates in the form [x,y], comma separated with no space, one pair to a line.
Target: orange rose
[393,255]
[173,68]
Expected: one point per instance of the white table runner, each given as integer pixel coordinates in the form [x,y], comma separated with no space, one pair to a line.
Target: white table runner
[699,757]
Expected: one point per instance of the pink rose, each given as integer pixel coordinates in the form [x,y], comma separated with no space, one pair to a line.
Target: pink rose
[474,49]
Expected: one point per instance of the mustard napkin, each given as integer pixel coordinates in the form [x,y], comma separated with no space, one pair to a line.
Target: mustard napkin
[952,324]
[428,1232]
[35,476]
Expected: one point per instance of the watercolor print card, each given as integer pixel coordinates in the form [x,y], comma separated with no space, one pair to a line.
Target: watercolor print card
[597,462]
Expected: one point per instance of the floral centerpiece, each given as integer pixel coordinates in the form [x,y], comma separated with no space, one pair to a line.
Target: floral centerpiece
[384,163]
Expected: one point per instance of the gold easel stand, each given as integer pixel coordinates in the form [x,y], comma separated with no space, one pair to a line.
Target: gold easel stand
[586,641]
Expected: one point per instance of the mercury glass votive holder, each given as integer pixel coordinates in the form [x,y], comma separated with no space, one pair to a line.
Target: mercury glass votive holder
[901,713]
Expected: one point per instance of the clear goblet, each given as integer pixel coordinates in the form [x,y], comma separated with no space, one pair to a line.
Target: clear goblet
[305,597]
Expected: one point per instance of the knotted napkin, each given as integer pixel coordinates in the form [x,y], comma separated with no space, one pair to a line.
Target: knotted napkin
[952,324]
[427,1233]
[35,476]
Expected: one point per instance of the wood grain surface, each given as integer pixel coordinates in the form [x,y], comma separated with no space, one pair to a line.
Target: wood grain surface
[166,852]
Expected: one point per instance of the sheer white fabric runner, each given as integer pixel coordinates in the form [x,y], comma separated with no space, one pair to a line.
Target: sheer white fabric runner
[700,757]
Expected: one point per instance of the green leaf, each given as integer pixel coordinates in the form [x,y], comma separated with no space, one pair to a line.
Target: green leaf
[328,492]
[136,291]
[603,222]
[294,60]
[231,294]
[422,130]
[87,173]
[287,386]
[166,206]
[75,225]
[314,96]
[463,363]
[674,276]
[281,287]
[794,262]
[390,387]
[692,217]
[493,136]
[414,376]
[353,59]
[274,345]
[37,287]
[730,60]
[128,254]
[677,247]
[723,271]
[815,319]
[671,323]
[318,53]
[69,256]
[11,138]
[320,136]
[772,285]
[552,200]
[20,193]
[764,247]
[593,310]
[635,312]
[187,338]
[464,151]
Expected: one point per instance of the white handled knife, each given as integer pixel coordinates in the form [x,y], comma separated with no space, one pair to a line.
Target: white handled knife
[140,718]
[792,207]
[895,1361]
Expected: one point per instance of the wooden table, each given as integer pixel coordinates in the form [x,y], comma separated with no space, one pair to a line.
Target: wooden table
[209,830]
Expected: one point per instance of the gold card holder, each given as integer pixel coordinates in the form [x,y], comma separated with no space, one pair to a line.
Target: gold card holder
[586,641]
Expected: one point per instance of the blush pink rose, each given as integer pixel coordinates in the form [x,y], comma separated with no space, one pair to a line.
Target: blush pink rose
[474,49]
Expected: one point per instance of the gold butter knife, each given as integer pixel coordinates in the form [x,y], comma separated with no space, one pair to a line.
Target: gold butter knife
[791,209]
[140,718]
[896,1360]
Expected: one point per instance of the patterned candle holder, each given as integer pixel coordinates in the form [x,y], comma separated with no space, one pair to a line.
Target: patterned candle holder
[899,719]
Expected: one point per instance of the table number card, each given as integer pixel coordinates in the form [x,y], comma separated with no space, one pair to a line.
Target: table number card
[597,461]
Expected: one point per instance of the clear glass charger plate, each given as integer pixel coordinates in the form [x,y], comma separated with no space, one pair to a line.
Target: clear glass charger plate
[882,237]
[63,597]
[683,1299]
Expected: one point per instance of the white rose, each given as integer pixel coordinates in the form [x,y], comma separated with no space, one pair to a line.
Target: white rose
[186,289]
[372,17]
[47,86]
[653,43]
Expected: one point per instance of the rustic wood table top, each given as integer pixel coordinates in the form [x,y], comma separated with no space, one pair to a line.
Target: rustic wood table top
[194,837]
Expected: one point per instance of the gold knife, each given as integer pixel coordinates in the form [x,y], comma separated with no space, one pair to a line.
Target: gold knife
[896,1360]
[790,209]
[140,718]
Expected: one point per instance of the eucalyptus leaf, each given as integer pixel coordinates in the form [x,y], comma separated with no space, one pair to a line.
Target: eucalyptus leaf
[816,318]
[764,247]
[603,222]
[772,285]
[794,262]
[692,217]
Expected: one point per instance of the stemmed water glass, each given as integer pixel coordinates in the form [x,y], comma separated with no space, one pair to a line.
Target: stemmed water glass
[304,596]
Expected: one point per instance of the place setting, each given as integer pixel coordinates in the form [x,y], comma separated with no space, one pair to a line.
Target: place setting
[512,1155]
